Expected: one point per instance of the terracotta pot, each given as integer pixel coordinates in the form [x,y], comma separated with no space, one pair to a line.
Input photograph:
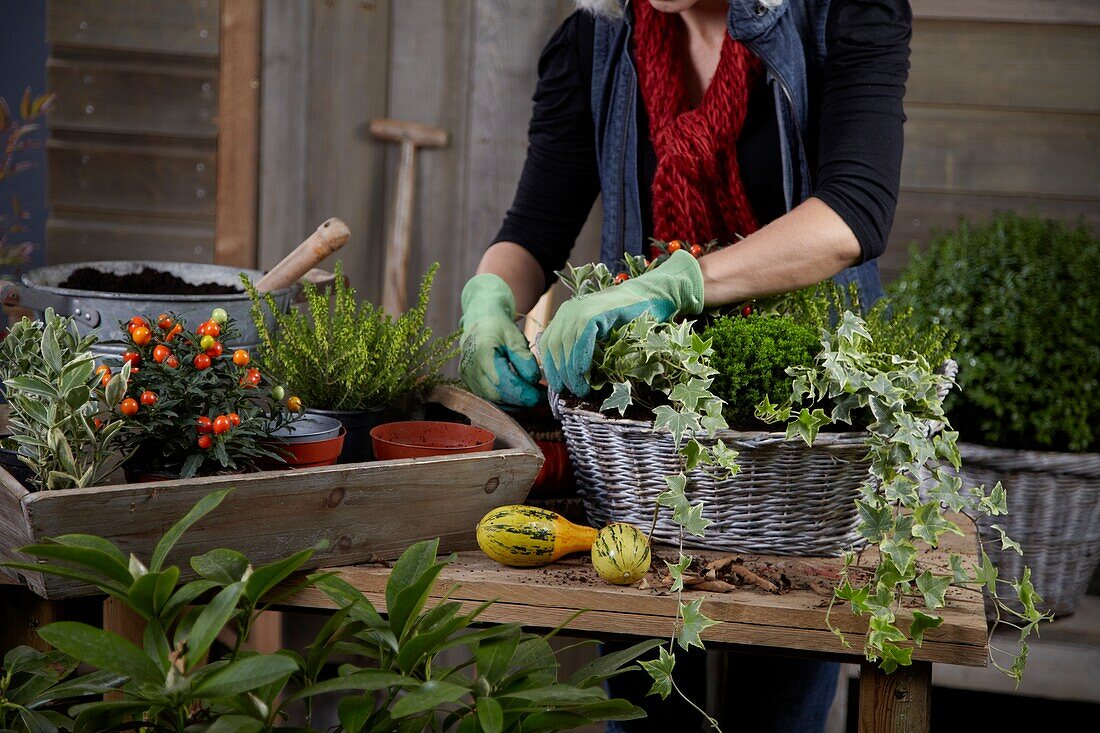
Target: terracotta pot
[421,438]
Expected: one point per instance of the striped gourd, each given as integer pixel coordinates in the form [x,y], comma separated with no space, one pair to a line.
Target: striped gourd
[526,536]
[620,554]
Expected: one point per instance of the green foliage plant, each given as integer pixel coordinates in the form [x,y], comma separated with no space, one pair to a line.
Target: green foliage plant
[16,138]
[751,358]
[177,680]
[163,438]
[63,419]
[1021,293]
[899,519]
[341,354]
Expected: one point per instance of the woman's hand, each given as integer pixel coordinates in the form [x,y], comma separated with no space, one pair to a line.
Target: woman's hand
[496,361]
[567,344]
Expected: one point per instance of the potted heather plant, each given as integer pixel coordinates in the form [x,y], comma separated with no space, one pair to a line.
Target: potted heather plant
[349,359]
[1021,293]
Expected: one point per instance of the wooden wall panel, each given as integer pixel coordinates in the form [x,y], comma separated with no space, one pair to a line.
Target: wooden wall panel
[173,99]
[1000,151]
[128,179]
[1016,65]
[84,237]
[187,27]
[1085,12]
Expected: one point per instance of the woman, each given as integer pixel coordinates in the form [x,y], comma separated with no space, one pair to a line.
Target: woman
[775,124]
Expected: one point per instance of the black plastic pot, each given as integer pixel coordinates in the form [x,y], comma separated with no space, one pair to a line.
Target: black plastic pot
[357,423]
[9,459]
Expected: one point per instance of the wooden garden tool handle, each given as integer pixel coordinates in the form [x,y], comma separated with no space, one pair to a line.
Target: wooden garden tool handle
[411,135]
[329,237]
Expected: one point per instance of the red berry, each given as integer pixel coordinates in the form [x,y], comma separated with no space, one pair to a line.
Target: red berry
[164,321]
[205,442]
[203,424]
[148,397]
[234,419]
[696,250]
[215,350]
[160,353]
[128,407]
[132,358]
[141,335]
[221,424]
[172,362]
[135,323]
[746,311]
[202,361]
[209,328]
[622,277]
[674,246]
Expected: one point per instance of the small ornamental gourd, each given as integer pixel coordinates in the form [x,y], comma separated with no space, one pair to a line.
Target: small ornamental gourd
[621,554]
[526,536]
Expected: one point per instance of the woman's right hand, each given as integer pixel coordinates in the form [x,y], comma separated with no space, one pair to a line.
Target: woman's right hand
[496,363]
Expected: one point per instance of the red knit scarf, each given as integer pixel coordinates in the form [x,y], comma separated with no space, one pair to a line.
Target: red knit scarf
[697,190]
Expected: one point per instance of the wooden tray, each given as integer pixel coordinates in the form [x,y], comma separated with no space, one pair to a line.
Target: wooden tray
[364,510]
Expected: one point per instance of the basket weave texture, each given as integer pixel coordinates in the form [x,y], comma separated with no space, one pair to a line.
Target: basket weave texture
[788,498]
[1053,512]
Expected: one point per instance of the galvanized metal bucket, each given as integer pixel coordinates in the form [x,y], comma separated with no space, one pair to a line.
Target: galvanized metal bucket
[102,311]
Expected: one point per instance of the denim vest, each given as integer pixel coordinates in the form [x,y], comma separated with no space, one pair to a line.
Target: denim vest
[790,41]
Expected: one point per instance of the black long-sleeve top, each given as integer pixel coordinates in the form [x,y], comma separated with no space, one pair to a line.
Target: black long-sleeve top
[855,153]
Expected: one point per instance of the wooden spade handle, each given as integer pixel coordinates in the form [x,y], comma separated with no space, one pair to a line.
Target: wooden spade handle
[329,237]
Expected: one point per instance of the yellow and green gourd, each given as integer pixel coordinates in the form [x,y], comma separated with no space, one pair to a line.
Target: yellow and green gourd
[621,554]
[526,536]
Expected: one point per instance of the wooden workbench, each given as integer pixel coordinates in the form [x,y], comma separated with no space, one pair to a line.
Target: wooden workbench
[791,623]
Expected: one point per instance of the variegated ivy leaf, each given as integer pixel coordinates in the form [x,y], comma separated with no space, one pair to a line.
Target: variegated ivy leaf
[695,454]
[901,553]
[902,488]
[958,572]
[929,523]
[882,630]
[1029,599]
[986,574]
[894,656]
[997,501]
[875,521]
[620,398]
[933,587]
[676,572]
[922,622]
[855,596]
[1007,543]
[726,457]
[807,425]
[691,519]
[946,445]
[677,423]
[851,328]
[769,412]
[691,393]
[946,489]
[660,670]
[694,624]
[889,576]
[711,424]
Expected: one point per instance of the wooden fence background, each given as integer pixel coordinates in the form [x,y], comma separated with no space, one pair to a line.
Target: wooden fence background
[1003,105]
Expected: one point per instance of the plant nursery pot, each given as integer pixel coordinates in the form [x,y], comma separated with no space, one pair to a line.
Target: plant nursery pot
[422,438]
[358,424]
[316,440]
[9,459]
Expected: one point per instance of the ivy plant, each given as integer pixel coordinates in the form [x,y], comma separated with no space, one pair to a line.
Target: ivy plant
[910,497]
[178,680]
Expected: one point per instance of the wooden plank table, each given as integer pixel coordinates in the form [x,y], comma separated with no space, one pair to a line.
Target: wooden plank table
[791,623]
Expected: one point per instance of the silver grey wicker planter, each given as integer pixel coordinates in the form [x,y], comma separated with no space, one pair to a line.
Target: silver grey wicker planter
[1053,512]
[788,499]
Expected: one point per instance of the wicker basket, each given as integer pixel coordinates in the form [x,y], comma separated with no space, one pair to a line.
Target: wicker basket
[1053,512]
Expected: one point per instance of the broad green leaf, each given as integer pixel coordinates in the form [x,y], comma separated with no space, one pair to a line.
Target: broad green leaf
[933,587]
[494,656]
[92,542]
[32,385]
[607,665]
[489,715]
[204,506]
[893,656]
[102,649]
[660,670]
[694,624]
[922,622]
[222,565]
[109,587]
[353,711]
[620,398]
[186,593]
[155,642]
[428,696]
[266,577]
[365,680]
[236,724]
[557,694]
[676,571]
[94,683]
[410,582]
[36,722]
[674,497]
[151,591]
[210,621]
[345,595]
[243,675]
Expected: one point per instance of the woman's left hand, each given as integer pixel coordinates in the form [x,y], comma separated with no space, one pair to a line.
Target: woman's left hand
[567,344]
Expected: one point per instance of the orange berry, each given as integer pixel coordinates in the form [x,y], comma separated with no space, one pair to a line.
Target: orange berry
[241,357]
[160,353]
[148,398]
[128,407]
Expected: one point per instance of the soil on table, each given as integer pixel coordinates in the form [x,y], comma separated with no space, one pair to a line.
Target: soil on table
[147,282]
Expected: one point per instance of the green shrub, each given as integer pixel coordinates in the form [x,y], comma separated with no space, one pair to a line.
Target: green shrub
[340,354]
[752,356]
[1021,293]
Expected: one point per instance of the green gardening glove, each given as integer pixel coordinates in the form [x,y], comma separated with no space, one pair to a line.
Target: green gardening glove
[496,361]
[567,344]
